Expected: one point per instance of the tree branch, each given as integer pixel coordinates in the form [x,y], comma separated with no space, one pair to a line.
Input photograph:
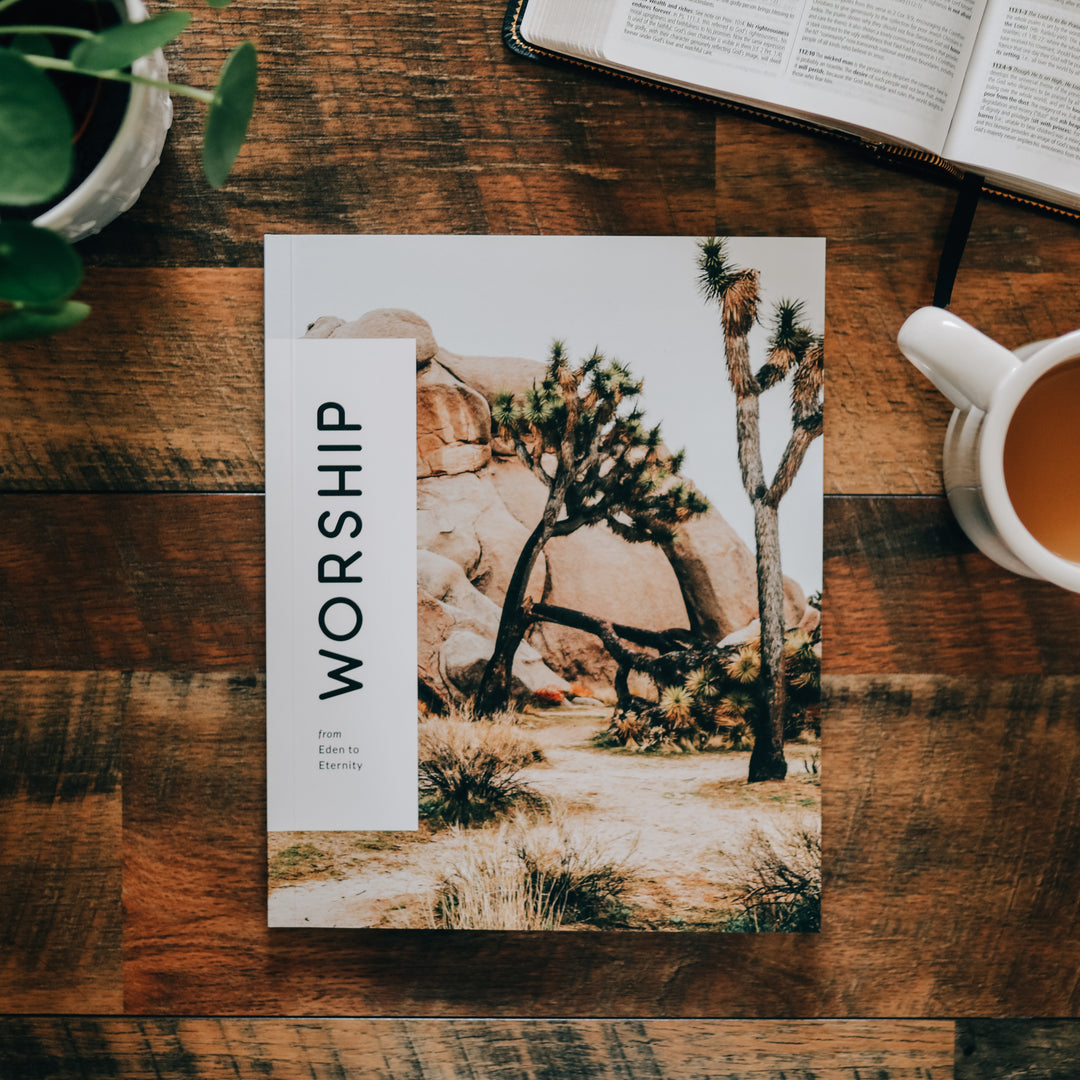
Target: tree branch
[521,448]
[802,436]
[748,434]
[614,634]
[776,368]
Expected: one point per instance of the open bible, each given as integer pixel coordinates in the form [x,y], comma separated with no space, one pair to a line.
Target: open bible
[990,87]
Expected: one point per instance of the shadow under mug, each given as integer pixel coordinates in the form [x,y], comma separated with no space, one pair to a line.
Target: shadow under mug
[987,383]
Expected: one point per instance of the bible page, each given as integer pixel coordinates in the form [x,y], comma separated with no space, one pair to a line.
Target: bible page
[575,28]
[1019,114]
[889,67]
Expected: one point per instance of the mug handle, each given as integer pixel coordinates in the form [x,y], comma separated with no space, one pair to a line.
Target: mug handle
[962,362]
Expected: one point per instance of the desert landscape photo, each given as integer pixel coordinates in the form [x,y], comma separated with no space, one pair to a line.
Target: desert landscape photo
[618,668]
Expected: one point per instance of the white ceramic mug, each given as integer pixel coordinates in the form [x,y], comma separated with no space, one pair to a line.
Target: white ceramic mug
[986,382]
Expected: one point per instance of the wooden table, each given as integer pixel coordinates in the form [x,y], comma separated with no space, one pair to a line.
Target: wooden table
[132,866]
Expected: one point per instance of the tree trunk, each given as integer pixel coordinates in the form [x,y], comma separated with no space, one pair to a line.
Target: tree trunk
[767,759]
[493,694]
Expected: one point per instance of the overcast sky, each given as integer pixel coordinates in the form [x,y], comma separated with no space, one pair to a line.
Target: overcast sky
[635,298]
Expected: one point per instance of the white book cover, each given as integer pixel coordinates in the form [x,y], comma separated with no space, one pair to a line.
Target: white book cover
[544,560]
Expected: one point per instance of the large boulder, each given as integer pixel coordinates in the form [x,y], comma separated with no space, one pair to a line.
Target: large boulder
[453,425]
[594,571]
[457,628]
[324,326]
[465,656]
[493,375]
[463,519]
[519,490]
[382,323]
[718,572]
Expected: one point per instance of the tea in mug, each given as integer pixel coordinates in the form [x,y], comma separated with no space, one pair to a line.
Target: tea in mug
[1042,460]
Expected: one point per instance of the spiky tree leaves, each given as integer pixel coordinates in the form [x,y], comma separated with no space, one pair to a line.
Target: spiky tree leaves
[706,693]
[745,666]
[505,411]
[793,352]
[788,340]
[580,433]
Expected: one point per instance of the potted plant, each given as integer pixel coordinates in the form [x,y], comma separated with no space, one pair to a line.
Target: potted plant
[84,108]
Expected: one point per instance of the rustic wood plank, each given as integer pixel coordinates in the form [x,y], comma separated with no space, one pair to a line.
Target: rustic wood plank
[1017,1049]
[950,833]
[949,889]
[161,388]
[60,842]
[906,591]
[148,581]
[460,1049]
[949,838]
[173,581]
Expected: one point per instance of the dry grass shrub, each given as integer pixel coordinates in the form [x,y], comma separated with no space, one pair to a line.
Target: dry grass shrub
[470,771]
[779,875]
[531,874]
[487,890]
[298,861]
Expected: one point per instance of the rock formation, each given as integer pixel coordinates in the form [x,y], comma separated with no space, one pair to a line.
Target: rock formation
[476,503]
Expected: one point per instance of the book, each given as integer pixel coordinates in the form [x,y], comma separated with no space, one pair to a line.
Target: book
[983,87]
[514,642]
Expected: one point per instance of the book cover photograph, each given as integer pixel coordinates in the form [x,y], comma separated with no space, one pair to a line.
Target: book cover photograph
[543,582]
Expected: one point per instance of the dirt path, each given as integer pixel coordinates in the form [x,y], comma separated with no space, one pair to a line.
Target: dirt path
[675,819]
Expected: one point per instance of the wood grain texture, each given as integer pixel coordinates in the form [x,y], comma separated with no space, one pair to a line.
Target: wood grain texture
[951,840]
[1017,1050]
[906,591]
[951,887]
[60,842]
[161,389]
[134,581]
[321,1049]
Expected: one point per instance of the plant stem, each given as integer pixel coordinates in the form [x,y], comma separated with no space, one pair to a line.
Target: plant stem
[65,31]
[205,96]
[7,3]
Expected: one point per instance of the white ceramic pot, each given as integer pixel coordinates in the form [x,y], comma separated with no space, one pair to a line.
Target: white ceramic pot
[120,176]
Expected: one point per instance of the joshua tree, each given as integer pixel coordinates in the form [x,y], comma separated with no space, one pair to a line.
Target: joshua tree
[793,350]
[579,432]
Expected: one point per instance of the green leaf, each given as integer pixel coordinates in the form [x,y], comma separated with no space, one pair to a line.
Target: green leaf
[19,324]
[36,157]
[37,44]
[120,46]
[36,265]
[218,3]
[230,113]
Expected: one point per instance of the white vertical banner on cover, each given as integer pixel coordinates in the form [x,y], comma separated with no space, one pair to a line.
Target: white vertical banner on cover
[341,584]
